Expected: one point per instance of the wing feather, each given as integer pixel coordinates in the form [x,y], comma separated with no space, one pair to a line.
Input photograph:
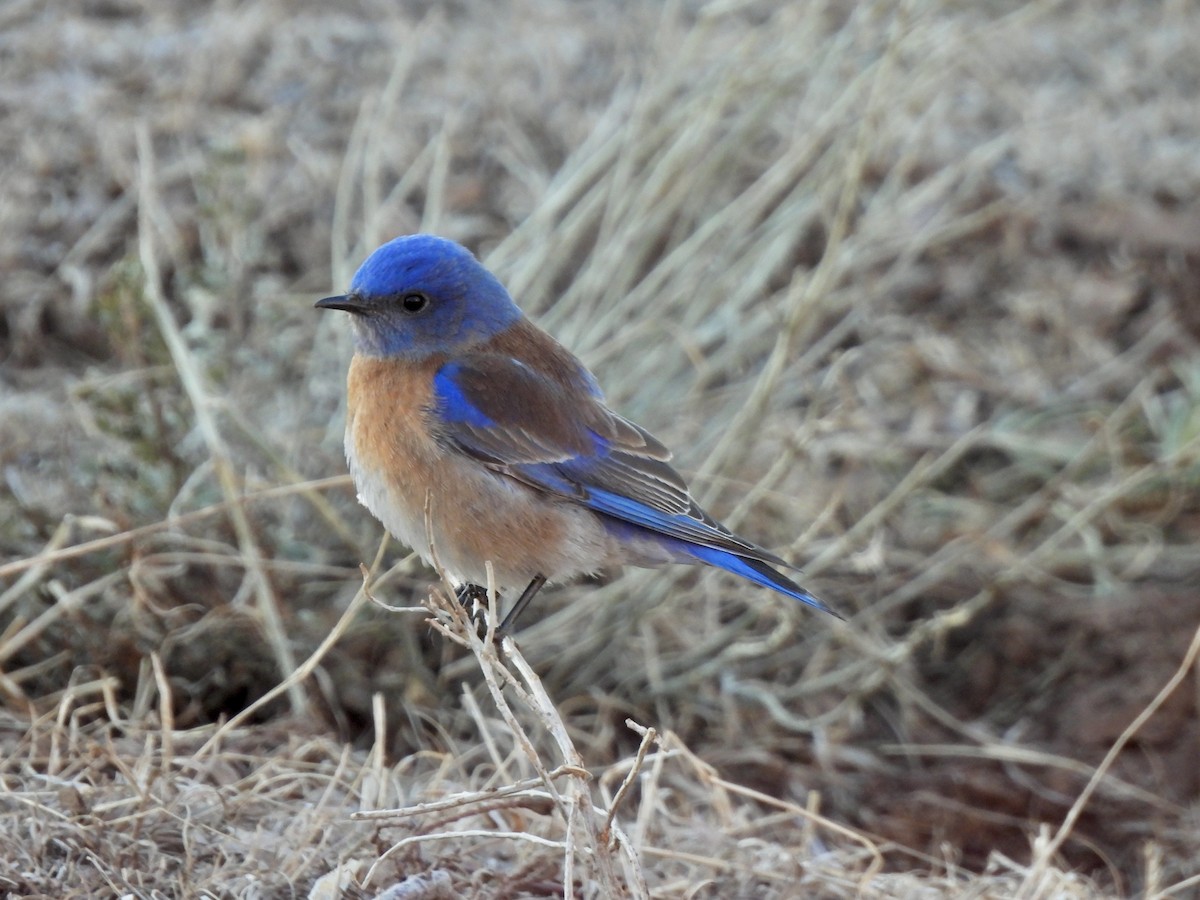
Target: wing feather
[561,438]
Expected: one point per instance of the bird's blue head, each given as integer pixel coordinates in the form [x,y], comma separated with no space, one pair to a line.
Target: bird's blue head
[419,295]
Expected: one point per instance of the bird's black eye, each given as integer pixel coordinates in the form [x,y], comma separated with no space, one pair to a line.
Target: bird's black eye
[414,302]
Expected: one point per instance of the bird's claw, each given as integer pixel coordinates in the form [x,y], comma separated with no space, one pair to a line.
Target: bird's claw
[473,598]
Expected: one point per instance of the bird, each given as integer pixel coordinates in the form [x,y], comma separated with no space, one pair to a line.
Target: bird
[474,436]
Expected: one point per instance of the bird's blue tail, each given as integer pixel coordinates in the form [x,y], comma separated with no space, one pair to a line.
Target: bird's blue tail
[759,573]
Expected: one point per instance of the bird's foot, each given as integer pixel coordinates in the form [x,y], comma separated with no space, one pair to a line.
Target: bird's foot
[474,599]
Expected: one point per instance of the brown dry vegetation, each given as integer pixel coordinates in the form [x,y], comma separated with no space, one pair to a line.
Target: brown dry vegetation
[912,290]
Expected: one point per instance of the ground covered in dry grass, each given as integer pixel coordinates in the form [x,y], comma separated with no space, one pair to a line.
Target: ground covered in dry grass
[912,290]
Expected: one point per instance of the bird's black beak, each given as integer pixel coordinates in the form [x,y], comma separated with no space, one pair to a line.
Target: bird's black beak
[346,302]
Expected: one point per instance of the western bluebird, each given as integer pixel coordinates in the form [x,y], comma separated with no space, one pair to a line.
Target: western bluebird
[454,396]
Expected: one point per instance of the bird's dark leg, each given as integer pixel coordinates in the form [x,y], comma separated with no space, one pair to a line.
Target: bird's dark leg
[523,601]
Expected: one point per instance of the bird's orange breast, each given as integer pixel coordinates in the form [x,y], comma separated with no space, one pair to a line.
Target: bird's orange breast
[388,421]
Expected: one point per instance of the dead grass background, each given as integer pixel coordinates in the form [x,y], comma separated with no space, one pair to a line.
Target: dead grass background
[910,287]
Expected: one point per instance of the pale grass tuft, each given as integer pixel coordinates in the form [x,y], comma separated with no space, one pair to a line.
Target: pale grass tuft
[909,287]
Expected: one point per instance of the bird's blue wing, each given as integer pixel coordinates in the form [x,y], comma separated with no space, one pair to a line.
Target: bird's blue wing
[559,437]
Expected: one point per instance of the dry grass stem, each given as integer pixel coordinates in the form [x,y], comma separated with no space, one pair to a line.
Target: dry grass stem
[908,287]
[301,672]
[649,736]
[1035,884]
[574,804]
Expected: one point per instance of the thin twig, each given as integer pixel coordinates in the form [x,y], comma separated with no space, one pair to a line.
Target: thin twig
[198,394]
[1033,885]
[300,674]
[649,736]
